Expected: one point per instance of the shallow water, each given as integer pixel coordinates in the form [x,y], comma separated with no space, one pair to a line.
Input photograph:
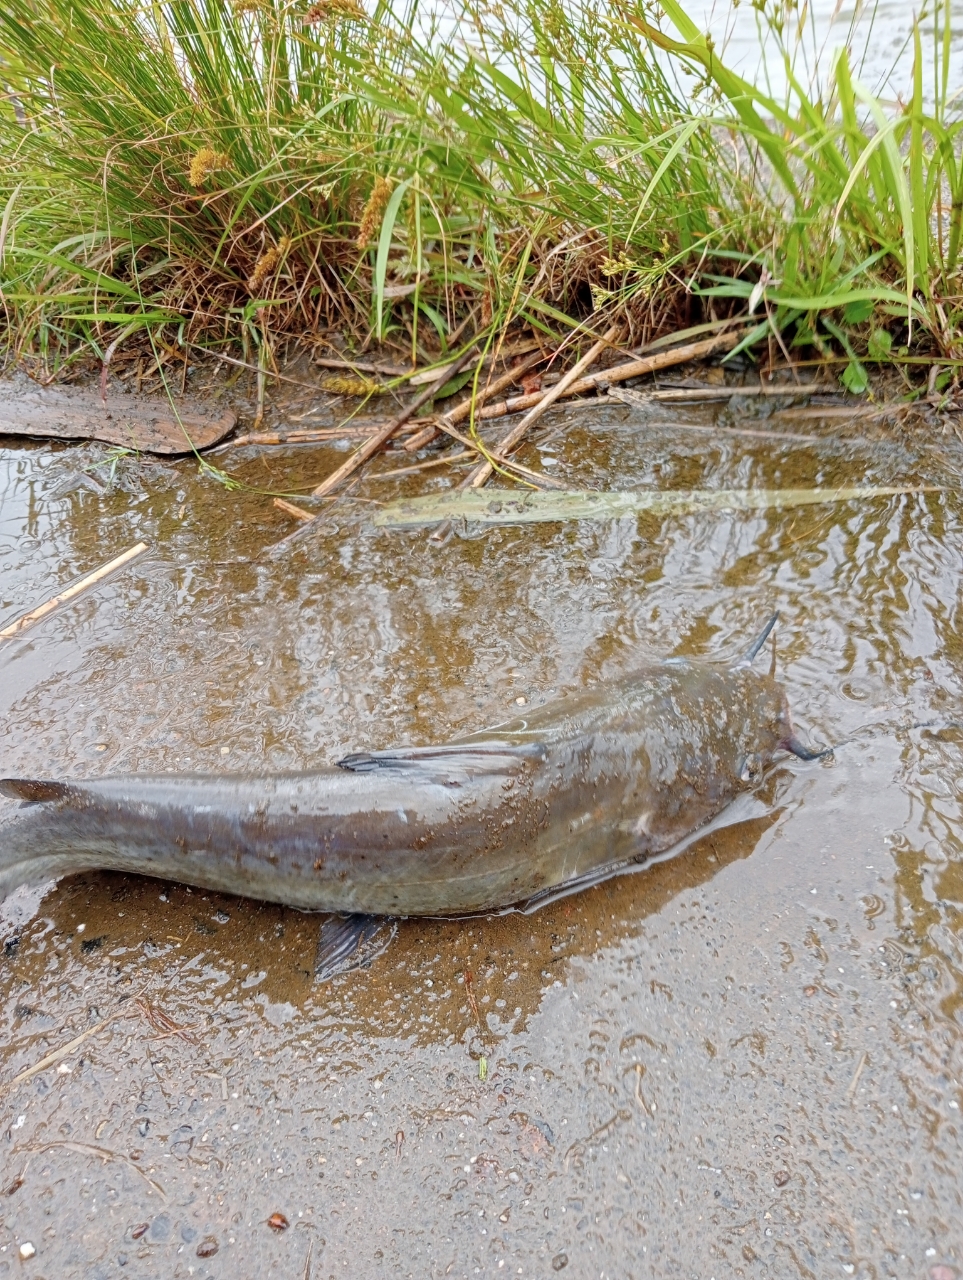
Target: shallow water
[879,37]
[743,1062]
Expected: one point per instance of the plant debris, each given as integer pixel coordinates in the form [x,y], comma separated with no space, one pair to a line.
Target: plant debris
[506,506]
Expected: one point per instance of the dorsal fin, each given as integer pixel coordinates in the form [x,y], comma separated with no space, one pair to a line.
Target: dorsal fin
[746,659]
[33,789]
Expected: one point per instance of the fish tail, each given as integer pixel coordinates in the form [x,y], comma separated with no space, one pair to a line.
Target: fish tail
[37,841]
[33,790]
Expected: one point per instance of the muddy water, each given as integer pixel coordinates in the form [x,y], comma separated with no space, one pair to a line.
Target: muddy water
[746,1062]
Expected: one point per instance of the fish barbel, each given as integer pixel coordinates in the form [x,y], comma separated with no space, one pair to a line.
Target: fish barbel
[609,776]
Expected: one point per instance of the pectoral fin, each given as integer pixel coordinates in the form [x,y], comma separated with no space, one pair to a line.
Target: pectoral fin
[451,765]
[351,942]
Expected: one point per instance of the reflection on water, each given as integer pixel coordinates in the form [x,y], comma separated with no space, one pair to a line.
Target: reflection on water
[742,1062]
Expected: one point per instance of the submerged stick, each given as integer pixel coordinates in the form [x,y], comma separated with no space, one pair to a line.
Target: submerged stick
[299,513]
[463,410]
[381,437]
[91,580]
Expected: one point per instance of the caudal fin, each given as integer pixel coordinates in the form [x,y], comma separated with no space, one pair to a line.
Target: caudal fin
[33,789]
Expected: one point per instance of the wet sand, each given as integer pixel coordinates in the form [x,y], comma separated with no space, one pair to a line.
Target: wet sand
[744,1062]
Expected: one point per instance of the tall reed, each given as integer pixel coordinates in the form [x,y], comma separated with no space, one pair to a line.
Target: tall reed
[221,171]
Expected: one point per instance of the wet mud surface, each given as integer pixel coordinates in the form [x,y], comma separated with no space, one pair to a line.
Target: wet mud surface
[743,1062]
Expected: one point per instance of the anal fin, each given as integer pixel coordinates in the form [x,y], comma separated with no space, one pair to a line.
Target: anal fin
[351,942]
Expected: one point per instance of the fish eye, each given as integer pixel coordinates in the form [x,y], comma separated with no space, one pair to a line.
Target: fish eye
[751,769]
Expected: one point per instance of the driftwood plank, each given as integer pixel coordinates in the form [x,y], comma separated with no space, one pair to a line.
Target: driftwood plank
[146,423]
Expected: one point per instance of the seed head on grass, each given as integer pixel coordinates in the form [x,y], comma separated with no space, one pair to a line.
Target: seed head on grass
[373,211]
[266,263]
[331,10]
[619,266]
[205,162]
[601,296]
[346,385]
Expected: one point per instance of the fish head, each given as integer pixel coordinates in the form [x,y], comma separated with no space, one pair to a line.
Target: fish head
[761,727]
[768,728]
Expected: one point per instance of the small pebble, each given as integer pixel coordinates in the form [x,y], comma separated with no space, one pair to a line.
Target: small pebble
[521,701]
[27,1250]
[781,1177]
[139,1230]
[208,1247]
[560,1262]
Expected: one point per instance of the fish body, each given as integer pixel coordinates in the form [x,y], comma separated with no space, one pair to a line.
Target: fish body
[612,775]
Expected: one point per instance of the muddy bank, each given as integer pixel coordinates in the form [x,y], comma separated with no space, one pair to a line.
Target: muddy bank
[745,1062]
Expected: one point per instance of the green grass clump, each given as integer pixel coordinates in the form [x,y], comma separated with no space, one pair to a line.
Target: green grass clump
[223,172]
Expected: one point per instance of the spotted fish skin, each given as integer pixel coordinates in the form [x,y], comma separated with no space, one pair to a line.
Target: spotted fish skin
[618,773]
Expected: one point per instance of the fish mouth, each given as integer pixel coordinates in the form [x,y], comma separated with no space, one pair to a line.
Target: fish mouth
[792,744]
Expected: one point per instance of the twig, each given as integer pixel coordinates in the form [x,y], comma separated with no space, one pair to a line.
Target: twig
[299,513]
[381,438]
[639,1072]
[844,411]
[162,1023]
[251,368]
[856,1074]
[56,1054]
[28,619]
[539,477]
[720,393]
[545,402]
[422,466]
[634,398]
[463,410]
[621,372]
[102,1153]
[389,370]
[302,435]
